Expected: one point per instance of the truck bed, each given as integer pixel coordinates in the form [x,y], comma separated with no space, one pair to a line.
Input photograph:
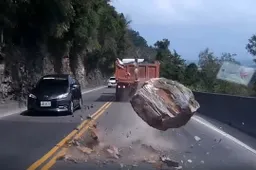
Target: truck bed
[146,72]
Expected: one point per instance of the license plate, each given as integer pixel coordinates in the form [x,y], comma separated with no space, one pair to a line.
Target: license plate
[45,104]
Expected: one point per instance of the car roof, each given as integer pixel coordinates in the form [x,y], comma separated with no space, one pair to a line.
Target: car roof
[56,76]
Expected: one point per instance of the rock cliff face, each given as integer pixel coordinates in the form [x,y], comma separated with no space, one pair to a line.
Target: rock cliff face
[22,68]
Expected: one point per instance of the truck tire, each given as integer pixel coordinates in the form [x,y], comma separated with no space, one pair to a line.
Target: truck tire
[71,108]
[80,103]
[118,94]
[117,97]
[123,94]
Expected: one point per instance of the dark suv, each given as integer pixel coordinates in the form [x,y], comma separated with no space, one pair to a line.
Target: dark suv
[56,92]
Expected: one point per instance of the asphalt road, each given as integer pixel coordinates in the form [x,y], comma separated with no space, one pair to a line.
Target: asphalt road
[198,145]
[215,149]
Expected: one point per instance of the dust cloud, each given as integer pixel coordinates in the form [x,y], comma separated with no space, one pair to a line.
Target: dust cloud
[136,140]
[135,130]
[127,141]
[132,129]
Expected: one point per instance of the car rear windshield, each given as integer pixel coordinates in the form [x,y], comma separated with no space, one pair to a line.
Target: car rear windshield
[112,78]
[61,84]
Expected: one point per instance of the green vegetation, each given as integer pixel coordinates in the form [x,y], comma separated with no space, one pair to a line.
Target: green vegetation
[37,35]
[70,27]
[93,33]
[199,76]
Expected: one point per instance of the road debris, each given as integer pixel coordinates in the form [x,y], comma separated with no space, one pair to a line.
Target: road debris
[81,117]
[89,117]
[113,152]
[67,157]
[197,138]
[85,149]
[169,162]
[178,168]
[74,143]
[91,147]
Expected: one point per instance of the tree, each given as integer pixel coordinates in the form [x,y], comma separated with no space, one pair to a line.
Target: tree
[228,57]
[138,43]
[191,75]
[209,65]
[162,48]
[251,46]
[136,39]
[90,32]
[172,66]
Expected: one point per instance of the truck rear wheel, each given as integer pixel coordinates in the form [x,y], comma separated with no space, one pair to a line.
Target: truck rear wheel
[122,94]
[118,94]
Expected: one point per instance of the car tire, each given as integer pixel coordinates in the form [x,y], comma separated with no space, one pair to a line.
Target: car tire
[80,103]
[109,86]
[28,108]
[29,111]
[71,108]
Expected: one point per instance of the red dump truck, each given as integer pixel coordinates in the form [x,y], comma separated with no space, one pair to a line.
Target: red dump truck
[131,73]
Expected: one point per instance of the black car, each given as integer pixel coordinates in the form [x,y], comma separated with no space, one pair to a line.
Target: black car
[57,92]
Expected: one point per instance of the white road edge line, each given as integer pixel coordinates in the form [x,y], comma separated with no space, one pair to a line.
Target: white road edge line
[211,126]
[19,110]
[9,113]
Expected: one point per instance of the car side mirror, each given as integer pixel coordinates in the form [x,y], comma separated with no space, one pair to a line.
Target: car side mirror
[32,89]
[74,86]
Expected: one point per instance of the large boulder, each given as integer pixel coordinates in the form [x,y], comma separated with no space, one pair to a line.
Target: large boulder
[164,103]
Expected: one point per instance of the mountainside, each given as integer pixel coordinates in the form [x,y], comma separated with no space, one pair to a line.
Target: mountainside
[78,37]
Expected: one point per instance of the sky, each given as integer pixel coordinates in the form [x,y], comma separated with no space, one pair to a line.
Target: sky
[193,25]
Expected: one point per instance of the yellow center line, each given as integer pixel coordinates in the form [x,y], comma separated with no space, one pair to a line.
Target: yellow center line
[63,141]
[63,151]
[95,114]
[82,131]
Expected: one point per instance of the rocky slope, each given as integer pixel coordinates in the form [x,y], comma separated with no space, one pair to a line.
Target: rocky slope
[22,68]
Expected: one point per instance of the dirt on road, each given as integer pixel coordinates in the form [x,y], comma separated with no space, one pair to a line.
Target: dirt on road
[128,145]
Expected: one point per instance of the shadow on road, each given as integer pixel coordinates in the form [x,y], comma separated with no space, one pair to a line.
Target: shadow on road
[110,97]
[106,97]
[108,94]
[43,114]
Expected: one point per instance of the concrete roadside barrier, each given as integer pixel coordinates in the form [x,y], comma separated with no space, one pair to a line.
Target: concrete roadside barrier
[238,112]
